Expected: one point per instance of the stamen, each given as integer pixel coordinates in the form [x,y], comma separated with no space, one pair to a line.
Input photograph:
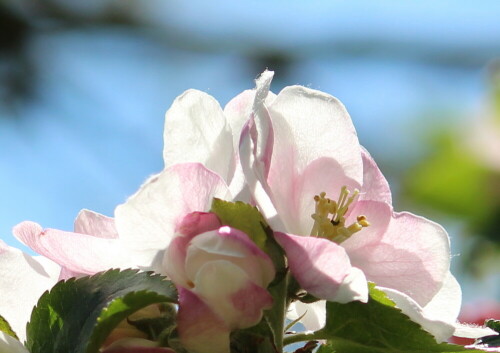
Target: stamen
[334,228]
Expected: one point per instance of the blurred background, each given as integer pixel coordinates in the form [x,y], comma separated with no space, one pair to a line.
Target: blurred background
[84,87]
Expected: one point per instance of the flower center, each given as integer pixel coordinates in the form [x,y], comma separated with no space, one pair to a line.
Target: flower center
[329,220]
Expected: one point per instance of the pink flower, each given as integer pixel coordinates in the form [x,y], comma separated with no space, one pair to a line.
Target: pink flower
[196,131]
[198,135]
[331,206]
[222,278]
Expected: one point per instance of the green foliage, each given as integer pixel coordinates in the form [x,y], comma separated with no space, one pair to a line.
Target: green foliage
[258,338]
[325,348]
[157,327]
[77,315]
[452,180]
[242,216]
[5,327]
[377,327]
[493,324]
[308,347]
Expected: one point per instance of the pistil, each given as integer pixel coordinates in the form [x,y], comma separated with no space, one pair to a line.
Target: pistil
[329,217]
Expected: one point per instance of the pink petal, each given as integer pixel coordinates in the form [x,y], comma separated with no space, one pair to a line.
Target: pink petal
[80,253]
[321,267]
[413,257]
[375,186]
[196,131]
[294,197]
[175,255]
[147,221]
[379,215]
[23,279]
[200,330]
[254,177]
[196,223]
[93,223]
[221,285]
[237,112]
[234,246]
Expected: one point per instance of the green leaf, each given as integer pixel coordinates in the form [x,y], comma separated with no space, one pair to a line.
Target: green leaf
[377,327]
[493,324]
[325,348]
[5,327]
[157,327]
[258,338]
[77,315]
[242,216]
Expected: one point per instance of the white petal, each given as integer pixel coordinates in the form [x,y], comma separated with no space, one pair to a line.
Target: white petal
[441,330]
[353,288]
[23,279]
[11,345]
[473,331]
[196,131]
[446,303]
[148,220]
[314,314]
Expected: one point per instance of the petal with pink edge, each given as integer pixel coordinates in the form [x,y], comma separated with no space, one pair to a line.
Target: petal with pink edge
[174,260]
[96,224]
[234,246]
[196,131]
[294,197]
[148,220]
[23,279]
[200,329]
[238,111]
[228,290]
[411,257]
[299,113]
[78,253]
[322,267]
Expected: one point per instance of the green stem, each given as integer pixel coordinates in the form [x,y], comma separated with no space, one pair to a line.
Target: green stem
[301,337]
[276,316]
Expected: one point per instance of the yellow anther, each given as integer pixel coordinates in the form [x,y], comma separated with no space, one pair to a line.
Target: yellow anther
[329,216]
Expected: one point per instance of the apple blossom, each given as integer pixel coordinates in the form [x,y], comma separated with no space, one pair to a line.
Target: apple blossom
[330,206]
[222,278]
